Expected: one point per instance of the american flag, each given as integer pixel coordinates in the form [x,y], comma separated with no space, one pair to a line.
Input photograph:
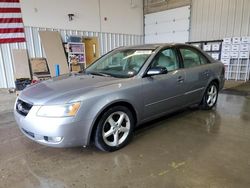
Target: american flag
[11,22]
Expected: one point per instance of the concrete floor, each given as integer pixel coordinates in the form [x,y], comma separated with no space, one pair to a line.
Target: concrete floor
[192,148]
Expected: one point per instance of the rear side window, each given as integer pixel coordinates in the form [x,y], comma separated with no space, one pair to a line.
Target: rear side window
[192,58]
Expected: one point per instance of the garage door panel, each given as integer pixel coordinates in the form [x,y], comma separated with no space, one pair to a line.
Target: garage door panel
[180,25]
[168,26]
[180,36]
[183,23]
[169,15]
[154,38]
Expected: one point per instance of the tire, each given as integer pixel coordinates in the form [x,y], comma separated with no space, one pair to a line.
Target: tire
[210,97]
[114,129]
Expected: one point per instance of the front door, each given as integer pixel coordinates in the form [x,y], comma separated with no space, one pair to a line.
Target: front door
[163,93]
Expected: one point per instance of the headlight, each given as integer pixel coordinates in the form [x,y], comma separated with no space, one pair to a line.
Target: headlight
[66,110]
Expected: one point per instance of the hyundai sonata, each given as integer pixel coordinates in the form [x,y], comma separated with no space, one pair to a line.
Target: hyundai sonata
[123,89]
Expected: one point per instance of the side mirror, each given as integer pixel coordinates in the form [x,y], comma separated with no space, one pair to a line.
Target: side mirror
[157,71]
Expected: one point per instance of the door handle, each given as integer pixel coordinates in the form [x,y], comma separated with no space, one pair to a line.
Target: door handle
[180,79]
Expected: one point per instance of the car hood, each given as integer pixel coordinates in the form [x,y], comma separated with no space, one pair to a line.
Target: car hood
[65,88]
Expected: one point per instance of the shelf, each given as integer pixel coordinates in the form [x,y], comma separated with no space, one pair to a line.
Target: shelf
[235,67]
[217,51]
[81,62]
[75,53]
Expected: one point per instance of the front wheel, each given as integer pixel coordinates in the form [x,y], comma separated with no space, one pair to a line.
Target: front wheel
[210,97]
[114,129]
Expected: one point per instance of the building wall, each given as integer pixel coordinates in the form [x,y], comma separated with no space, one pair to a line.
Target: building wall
[108,41]
[115,22]
[210,19]
[123,16]
[216,19]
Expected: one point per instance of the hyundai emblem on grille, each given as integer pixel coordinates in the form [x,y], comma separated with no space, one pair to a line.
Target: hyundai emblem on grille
[19,107]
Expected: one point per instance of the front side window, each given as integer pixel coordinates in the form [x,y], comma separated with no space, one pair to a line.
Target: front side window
[192,58]
[166,59]
[120,63]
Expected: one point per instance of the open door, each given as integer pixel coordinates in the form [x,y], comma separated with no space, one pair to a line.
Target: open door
[91,49]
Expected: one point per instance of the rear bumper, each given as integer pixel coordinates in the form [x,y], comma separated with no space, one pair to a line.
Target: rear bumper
[54,132]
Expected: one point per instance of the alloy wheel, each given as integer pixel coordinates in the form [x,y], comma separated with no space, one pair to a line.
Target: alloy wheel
[116,128]
[211,95]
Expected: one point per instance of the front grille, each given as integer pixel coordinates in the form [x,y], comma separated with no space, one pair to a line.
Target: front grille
[22,107]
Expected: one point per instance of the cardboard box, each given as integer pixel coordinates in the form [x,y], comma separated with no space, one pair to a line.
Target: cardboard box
[234,61]
[39,65]
[216,56]
[225,55]
[244,55]
[242,76]
[41,76]
[245,40]
[234,68]
[227,40]
[216,47]
[209,53]
[225,61]
[226,48]
[244,47]
[243,68]
[234,55]
[75,68]
[236,40]
[207,47]
[235,47]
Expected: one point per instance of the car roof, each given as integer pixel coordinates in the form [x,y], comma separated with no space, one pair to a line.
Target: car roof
[153,46]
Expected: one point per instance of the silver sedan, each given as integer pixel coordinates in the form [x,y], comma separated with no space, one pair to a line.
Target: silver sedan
[123,89]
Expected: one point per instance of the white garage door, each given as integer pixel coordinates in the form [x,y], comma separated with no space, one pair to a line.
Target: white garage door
[168,26]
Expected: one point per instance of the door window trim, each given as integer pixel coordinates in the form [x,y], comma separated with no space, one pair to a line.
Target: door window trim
[157,54]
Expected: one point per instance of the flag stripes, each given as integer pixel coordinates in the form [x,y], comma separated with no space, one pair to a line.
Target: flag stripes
[11,22]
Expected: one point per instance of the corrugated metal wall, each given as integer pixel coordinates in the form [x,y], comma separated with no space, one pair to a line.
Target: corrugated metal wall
[216,19]
[108,41]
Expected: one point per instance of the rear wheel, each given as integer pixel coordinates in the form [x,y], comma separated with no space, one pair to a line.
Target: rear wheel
[210,96]
[114,129]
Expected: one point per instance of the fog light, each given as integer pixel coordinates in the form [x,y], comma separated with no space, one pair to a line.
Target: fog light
[53,139]
[56,139]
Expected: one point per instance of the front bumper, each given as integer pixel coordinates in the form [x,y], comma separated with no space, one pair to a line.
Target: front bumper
[54,132]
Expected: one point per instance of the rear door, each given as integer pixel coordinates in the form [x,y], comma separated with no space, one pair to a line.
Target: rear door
[198,72]
[163,93]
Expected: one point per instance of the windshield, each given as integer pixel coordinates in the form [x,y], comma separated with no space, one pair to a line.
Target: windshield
[120,63]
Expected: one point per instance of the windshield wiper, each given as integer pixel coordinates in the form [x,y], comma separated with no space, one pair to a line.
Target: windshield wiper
[99,74]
